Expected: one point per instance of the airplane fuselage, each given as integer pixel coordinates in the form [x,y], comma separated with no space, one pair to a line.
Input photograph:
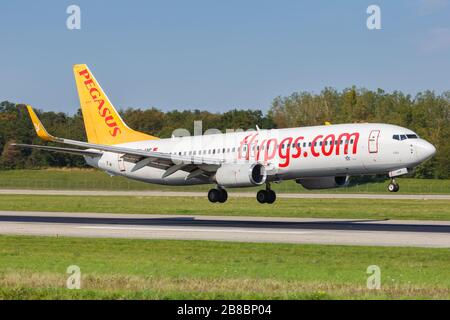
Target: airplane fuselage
[294,153]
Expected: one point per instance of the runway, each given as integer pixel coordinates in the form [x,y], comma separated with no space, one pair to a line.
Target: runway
[248,229]
[136,193]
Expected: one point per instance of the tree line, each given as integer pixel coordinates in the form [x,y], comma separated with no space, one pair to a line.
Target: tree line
[427,113]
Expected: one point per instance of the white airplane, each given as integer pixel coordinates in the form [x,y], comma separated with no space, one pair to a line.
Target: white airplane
[316,157]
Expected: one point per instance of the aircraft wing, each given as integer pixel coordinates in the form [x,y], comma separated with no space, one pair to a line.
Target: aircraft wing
[79,152]
[171,163]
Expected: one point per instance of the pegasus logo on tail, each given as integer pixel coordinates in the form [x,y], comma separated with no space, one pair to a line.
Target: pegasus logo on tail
[96,96]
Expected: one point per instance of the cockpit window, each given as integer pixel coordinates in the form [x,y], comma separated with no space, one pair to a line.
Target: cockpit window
[402,137]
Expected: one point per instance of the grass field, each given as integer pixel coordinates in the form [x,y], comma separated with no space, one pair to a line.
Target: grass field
[310,208]
[35,268]
[90,179]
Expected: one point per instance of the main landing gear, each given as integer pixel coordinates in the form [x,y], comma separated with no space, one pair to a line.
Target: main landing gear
[266,196]
[393,186]
[263,196]
[217,195]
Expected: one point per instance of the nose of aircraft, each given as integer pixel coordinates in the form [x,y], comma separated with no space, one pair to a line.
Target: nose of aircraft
[425,150]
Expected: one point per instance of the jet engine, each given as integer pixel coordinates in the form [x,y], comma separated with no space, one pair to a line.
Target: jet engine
[323,182]
[241,175]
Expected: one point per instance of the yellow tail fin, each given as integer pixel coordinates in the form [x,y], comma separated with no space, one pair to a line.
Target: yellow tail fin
[102,121]
[39,127]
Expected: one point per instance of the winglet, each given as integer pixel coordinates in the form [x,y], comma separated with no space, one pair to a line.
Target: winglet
[39,127]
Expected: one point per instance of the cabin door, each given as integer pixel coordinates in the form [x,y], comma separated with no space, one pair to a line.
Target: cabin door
[121,162]
[373,141]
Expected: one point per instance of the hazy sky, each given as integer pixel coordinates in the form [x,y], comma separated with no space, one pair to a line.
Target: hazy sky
[217,55]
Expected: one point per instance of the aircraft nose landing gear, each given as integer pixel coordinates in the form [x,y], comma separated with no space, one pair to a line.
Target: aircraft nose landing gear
[393,186]
[266,196]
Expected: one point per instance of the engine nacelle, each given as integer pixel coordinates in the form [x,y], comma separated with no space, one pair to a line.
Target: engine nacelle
[241,175]
[323,182]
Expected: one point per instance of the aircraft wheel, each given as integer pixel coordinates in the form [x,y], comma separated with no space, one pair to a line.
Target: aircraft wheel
[262,196]
[223,195]
[272,196]
[393,187]
[214,195]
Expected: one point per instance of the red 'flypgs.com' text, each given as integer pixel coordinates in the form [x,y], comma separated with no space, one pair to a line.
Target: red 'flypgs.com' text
[289,147]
